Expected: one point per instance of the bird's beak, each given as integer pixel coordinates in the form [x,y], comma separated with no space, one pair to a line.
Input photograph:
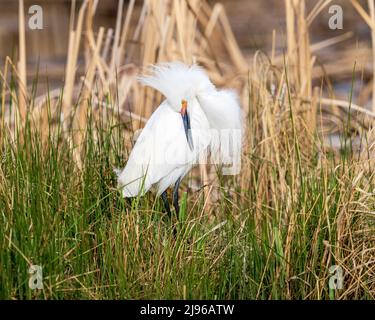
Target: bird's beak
[186,122]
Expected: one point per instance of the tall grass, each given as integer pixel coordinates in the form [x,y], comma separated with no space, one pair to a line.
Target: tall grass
[273,232]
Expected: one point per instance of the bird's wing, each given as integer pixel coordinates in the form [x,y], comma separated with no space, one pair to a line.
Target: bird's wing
[225,117]
[160,149]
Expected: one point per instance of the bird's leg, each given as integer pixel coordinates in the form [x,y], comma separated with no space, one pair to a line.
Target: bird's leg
[166,203]
[175,196]
[128,203]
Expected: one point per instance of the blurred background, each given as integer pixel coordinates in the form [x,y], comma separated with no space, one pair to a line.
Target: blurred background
[253,22]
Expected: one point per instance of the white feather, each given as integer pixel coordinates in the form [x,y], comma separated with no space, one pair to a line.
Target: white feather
[225,117]
[177,81]
[161,154]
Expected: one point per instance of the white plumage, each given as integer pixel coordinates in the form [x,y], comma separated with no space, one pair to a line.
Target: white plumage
[162,154]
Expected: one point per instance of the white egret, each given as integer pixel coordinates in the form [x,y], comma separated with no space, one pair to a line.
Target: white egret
[195,120]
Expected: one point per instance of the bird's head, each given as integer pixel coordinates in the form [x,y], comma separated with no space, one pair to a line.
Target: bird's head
[180,84]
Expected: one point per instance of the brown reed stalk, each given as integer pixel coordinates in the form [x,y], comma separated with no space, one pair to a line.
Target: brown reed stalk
[372,15]
[22,79]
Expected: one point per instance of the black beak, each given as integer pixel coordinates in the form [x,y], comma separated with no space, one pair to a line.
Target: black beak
[189,137]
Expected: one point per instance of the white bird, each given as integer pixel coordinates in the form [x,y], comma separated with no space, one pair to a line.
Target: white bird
[195,120]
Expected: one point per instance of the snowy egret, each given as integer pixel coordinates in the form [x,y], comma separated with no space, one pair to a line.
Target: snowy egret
[195,120]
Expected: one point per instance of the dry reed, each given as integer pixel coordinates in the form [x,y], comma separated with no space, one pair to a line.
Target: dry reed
[279,94]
